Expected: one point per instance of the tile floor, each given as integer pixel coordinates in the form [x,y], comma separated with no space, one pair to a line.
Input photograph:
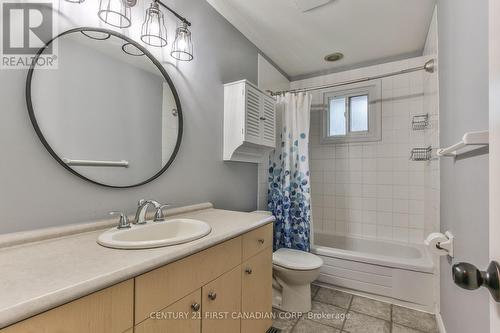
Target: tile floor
[339,312]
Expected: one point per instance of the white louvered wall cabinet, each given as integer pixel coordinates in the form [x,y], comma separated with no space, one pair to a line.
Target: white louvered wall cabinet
[249,122]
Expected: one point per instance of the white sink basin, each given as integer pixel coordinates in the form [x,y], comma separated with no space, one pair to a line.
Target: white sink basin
[155,234]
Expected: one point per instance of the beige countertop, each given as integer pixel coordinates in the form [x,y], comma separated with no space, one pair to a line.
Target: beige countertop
[40,275]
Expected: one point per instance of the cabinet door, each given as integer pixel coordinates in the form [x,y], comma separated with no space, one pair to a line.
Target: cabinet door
[252,115]
[166,285]
[184,316]
[106,311]
[256,240]
[256,292]
[268,122]
[222,303]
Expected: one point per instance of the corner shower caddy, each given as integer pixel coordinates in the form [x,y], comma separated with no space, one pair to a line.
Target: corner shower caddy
[421,154]
[420,122]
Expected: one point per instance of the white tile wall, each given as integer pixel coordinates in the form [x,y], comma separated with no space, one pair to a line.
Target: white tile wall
[372,189]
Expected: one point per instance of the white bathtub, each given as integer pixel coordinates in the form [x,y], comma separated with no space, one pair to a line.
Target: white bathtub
[397,270]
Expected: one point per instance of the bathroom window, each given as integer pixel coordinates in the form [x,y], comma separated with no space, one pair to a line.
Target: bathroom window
[352,115]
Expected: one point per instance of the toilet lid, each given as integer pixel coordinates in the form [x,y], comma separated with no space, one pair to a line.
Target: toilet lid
[296,260]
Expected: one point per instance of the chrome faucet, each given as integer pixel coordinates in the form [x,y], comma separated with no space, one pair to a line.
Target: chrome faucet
[124,222]
[159,215]
[142,208]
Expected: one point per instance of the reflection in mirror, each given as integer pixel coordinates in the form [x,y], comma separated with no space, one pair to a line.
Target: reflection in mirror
[110,116]
[132,50]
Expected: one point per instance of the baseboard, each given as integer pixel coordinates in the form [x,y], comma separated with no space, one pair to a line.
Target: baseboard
[440,323]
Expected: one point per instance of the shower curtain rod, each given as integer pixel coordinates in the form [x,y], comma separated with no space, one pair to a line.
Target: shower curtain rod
[429,67]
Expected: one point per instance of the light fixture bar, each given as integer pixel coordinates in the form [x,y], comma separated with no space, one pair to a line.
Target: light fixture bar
[117,13]
[180,17]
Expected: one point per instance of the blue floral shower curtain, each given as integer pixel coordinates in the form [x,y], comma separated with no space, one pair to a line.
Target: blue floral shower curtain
[289,197]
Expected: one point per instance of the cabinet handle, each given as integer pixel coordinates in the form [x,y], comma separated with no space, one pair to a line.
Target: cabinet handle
[196,307]
[248,270]
[262,118]
[212,296]
[261,241]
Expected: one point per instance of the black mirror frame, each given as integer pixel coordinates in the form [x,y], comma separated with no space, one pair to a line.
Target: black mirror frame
[147,54]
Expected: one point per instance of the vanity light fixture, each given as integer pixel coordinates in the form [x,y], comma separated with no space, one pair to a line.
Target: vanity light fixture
[154,32]
[118,13]
[183,46]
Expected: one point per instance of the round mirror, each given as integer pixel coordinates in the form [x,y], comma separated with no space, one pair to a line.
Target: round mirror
[109,112]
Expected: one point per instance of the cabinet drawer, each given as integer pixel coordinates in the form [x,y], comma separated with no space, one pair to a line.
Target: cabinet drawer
[158,289]
[180,317]
[106,311]
[256,292]
[257,240]
[221,299]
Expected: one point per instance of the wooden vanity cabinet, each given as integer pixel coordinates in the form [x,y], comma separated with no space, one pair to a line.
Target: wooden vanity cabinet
[106,311]
[211,291]
[256,292]
[235,279]
[222,303]
[182,316]
[257,240]
[161,287]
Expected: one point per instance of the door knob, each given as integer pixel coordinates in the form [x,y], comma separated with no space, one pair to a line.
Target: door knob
[467,276]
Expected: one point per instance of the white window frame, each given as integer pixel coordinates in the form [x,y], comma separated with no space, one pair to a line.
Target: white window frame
[374,133]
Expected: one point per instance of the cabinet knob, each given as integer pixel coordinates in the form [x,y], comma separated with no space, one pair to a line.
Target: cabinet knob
[248,270]
[262,118]
[212,296]
[262,241]
[196,307]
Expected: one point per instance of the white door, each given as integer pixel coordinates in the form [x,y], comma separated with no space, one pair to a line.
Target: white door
[268,123]
[494,95]
[252,115]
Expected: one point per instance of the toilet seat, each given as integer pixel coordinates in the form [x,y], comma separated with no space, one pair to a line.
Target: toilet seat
[296,260]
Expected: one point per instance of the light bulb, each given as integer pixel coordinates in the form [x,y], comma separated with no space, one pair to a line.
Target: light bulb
[182,48]
[154,31]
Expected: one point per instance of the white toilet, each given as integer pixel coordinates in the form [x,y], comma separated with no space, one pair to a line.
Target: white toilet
[293,272]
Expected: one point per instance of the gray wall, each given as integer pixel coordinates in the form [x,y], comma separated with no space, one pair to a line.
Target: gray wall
[36,192]
[463,75]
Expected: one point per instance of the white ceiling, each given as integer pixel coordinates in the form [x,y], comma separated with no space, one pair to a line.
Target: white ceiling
[366,31]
